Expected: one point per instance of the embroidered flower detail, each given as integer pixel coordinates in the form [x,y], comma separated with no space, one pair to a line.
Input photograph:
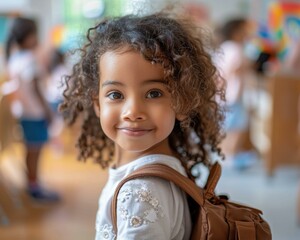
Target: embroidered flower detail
[124,213]
[136,221]
[160,211]
[151,212]
[144,195]
[125,194]
[154,202]
[150,215]
[106,232]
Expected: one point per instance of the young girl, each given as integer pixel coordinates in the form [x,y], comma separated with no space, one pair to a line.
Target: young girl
[148,92]
[29,105]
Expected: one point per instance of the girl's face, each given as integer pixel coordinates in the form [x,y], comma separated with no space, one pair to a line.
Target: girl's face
[134,104]
[31,41]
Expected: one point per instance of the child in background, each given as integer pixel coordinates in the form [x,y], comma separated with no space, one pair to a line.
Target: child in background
[148,91]
[235,68]
[57,69]
[29,105]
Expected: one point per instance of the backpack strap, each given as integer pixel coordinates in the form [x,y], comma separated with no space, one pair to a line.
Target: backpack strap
[164,172]
[212,180]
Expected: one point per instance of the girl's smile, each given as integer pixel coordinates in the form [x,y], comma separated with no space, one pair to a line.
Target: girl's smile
[134,132]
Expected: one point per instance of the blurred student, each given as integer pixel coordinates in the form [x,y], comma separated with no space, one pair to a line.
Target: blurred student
[29,105]
[57,70]
[234,68]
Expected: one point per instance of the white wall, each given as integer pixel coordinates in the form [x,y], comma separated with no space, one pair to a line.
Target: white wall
[12,5]
[219,10]
[46,12]
[50,12]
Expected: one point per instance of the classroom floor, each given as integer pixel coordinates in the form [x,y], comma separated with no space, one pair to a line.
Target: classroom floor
[80,184]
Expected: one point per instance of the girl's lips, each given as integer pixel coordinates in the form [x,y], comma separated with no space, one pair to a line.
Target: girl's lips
[135,132]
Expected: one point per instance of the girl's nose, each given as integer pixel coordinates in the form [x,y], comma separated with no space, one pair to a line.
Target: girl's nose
[134,111]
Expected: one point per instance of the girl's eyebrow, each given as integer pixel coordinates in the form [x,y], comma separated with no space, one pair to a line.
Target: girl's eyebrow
[111,82]
[116,83]
[155,81]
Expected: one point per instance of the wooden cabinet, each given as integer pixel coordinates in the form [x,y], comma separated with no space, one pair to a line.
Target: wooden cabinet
[284,129]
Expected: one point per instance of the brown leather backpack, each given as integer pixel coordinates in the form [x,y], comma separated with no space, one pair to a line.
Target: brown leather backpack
[214,217]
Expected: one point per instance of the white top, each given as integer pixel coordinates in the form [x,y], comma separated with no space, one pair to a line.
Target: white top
[55,88]
[22,68]
[148,208]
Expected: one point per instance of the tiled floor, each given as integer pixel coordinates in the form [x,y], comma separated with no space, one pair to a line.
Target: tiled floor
[80,184]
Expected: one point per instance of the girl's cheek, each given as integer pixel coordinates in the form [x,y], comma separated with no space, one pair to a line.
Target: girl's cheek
[108,114]
[105,112]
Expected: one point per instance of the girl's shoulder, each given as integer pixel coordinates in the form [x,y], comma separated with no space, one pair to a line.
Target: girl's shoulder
[147,189]
[149,203]
[152,192]
[145,206]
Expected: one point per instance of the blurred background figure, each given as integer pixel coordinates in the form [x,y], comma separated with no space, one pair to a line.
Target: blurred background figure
[236,68]
[29,105]
[57,69]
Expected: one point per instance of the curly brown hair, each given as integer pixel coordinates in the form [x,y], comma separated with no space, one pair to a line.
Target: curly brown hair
[192,79]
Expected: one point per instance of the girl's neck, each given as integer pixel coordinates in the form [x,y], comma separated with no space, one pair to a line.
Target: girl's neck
[123,157]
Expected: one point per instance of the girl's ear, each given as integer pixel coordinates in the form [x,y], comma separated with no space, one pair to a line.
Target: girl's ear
[96,106]
[180,117]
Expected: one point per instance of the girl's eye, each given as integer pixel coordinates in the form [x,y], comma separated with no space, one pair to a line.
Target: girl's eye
[115,95]
[154,94]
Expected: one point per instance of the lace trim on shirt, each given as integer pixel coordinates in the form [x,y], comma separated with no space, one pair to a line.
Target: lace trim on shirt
[141,194]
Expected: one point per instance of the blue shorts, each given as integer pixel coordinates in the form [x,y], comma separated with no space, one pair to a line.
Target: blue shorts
[35,132]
